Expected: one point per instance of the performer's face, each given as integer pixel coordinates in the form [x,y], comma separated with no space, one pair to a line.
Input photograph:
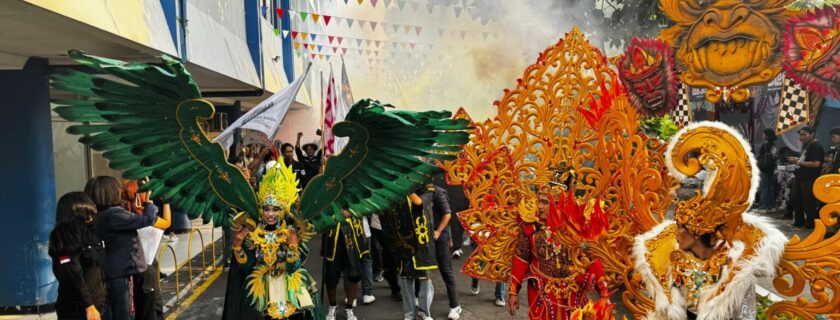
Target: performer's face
[542,204]
[685,239]
[270,214]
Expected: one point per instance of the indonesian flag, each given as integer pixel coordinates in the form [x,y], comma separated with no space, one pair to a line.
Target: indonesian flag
[329,116]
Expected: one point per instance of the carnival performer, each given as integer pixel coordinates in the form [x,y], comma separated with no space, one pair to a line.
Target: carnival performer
[343,249]
[271,252]
[547,266]
[704,263]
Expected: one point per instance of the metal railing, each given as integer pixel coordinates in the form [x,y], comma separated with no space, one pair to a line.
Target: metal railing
[188,262]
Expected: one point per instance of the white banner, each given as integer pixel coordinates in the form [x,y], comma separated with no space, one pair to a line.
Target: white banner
[267,116]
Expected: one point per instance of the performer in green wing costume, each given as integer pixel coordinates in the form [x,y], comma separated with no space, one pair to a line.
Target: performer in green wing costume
[147,123]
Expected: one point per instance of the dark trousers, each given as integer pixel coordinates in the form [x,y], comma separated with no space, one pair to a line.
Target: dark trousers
[444,260]
[804,204]
[457,232]
[148,302]
[389,262]
[118,300]
[376,254]
[767,191]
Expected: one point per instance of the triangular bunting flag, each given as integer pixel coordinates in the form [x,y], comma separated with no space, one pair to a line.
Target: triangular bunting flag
[349,22]
[430,7]
[305,45]
[297,45]
[376,42]
[373,25]
[373,3]
[407,28]
[396,28]
[331,38]
[285,34]
[312,55]
[412,45]
[415,5]
[387,3]
[303,36]
[321,56]
[361,24]
[440,32]
[294,34]
[318,47]
[367,43]
[315,17]
[303,16]
[418,29]
[298,54]
[359,43]
[457,11]
[401,4]
[334,49]
[312,35]
[344,50]
[339,40]
[276,32]
[360,1]
[264,10]
[327,20]
[279,13]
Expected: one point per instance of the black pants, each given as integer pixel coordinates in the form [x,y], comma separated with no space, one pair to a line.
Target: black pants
[148,302]
[457,232]
[444,261]
[804,204]
[376,254]
[343,263]
[389,261]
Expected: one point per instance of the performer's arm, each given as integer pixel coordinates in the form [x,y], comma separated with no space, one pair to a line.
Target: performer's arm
[293,254]
[521,258]
[242,256]
[596,269]
[298,150]
[166,220]
[441,202]
[69,271]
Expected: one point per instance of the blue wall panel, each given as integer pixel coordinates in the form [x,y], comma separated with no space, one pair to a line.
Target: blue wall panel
[252,33]
[170,11]
[27,196]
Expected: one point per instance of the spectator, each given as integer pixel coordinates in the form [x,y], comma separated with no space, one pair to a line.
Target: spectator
[117,227]
[388,257]
[500,289]
[767,162]
[832,157]
[77,256]
[437,197]
[288,153]
[148,301]
[810,163]
[311,160]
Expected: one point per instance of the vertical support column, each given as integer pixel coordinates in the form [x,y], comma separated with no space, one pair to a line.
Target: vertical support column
[27,194]
[288,58]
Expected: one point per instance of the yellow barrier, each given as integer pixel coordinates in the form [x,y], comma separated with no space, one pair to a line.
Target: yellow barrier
[175,259]
[188,263]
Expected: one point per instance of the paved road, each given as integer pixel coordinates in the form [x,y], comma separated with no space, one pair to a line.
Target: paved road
[208,304]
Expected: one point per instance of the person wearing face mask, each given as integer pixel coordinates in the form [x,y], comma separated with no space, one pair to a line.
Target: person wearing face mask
[271,252]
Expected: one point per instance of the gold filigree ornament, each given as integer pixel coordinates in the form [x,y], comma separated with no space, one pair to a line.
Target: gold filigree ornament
[812,264]
[568,109]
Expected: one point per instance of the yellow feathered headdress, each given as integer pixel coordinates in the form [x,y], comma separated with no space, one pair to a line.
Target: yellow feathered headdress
[278,187]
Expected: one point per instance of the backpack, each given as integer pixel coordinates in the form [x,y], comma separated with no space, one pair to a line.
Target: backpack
[767,159]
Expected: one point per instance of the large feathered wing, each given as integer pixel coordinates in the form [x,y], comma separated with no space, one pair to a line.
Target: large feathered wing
[146,121]
[381,163]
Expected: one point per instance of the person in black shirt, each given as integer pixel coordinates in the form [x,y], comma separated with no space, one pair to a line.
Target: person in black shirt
[442,213]
[77,256]
[832,157]
[767,158]
[810,162]
[311,160]
[288,153]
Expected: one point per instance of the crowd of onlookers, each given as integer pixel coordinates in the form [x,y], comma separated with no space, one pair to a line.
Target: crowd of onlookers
[98,256]
[787,177]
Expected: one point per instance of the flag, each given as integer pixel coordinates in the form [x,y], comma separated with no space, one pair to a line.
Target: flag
[794,106]
[329,116]
[682,113]
[268,115]
[344,104]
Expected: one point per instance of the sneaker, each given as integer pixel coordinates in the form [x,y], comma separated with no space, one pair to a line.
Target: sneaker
[467,242]
[354,302]
[378,277]
[475,290]
[350,315]
[455,313]
[331,313]
[172,238]
[458,253]
[500,302]
[368,299]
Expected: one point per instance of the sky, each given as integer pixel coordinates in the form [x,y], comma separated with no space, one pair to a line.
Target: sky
[444,72]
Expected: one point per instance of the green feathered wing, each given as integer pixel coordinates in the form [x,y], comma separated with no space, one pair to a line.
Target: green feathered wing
[380,165]
[146,121]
